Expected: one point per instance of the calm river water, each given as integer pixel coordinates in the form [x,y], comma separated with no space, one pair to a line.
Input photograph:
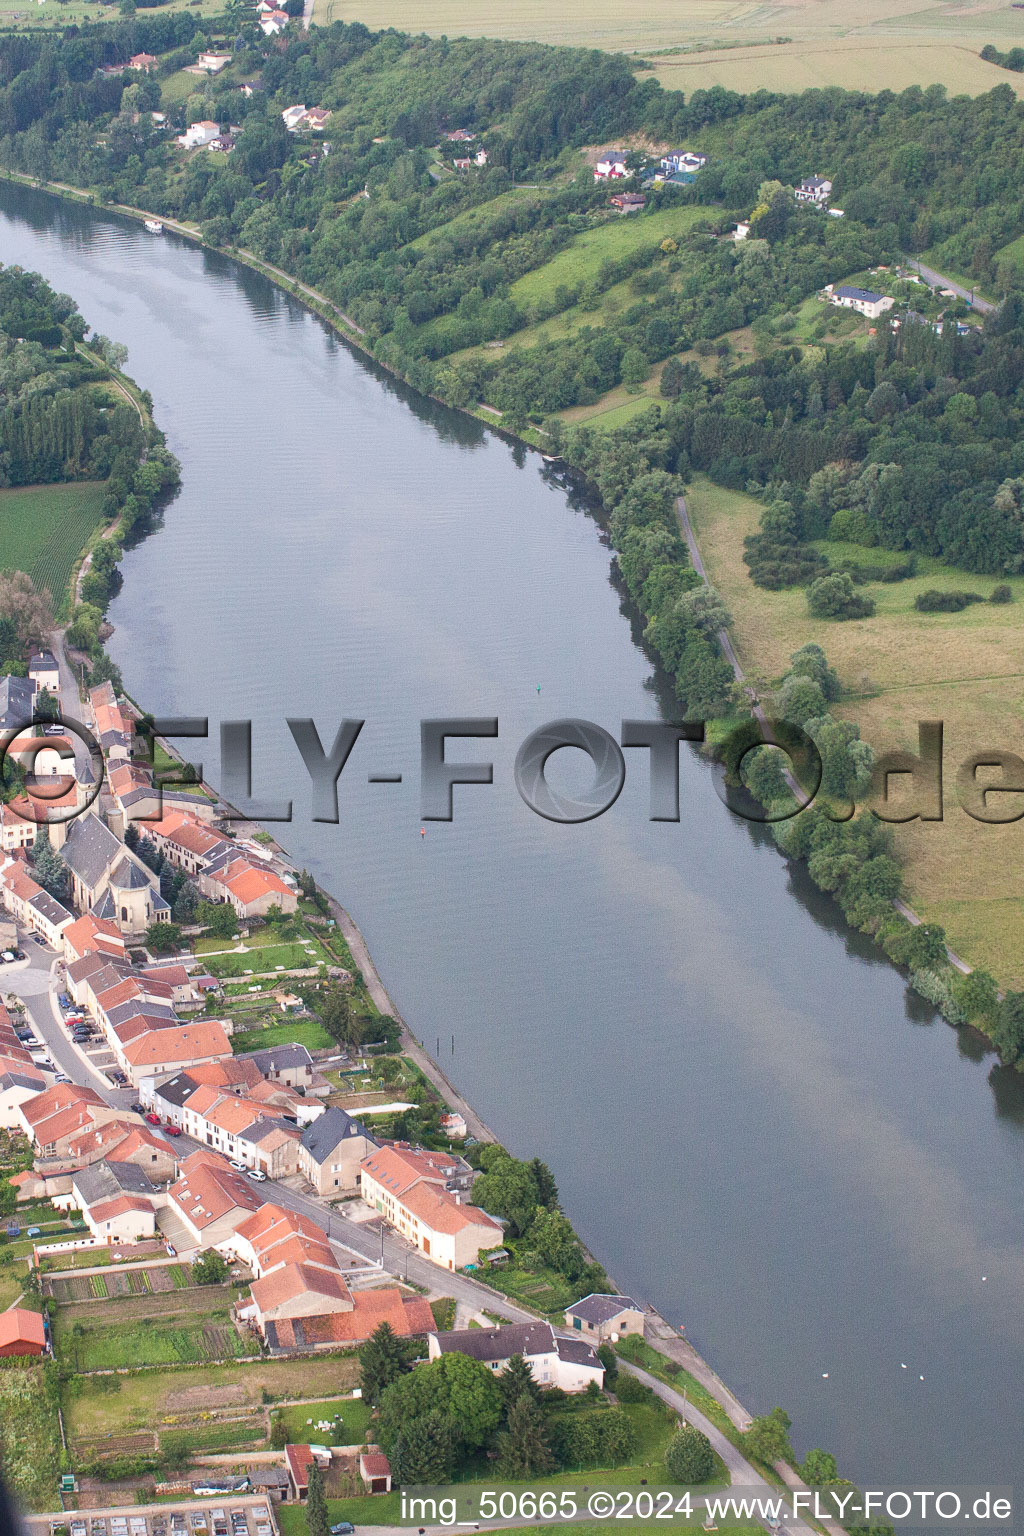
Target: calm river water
[749,1121]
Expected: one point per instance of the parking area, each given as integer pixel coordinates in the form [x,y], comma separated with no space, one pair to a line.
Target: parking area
[231,1515]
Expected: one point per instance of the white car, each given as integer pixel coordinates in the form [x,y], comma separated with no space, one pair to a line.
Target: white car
[258,1175]
[238,1167]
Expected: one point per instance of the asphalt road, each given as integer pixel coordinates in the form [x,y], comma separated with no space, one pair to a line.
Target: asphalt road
[937,280]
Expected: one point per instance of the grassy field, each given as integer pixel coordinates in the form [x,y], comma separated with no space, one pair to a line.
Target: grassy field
[903,666]
[50,15]
[29,1437]
[307,1032]
[353,1421]
[43,529]
[664,24]
[582,260]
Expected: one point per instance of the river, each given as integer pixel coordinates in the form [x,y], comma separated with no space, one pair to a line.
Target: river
[750,1122]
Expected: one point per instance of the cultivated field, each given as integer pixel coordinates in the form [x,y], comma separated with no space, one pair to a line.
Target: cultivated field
[966,669]
[184,1398]
[663,25]
[853,63]
[43,529]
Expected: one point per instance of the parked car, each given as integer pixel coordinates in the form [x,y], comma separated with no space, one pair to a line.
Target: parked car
[238,1167]
[138,1109]
[152,1118]
[343,1528]
[7,956]
[64,1000]
[117,1078]
[172,1130]
[62,1077]
[258,1175]
[172,1252]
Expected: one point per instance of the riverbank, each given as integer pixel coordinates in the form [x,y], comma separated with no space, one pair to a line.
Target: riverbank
[722,979]
[316,302]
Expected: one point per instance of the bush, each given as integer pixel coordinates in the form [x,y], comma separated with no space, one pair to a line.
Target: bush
[689,1458]
[1001,594]
[630,1390]
[933,601]
[835,597]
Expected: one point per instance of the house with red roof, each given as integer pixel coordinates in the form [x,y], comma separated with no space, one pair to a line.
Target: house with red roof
[408,1187]
[21,1333]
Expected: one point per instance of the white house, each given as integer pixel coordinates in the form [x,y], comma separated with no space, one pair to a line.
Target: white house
[611,168]
[814,190]
[292,117]
[272,22]
[569,1364]
[44,671]
[863,300]
[683,160]
[213,63]
[199,135]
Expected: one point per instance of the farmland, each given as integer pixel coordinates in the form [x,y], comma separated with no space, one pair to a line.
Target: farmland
[882,46]
[182,1326]
[183,1398]
[851,63]
[43,529]
[898,667]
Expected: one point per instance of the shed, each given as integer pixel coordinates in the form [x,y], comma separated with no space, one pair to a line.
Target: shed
[375,1471]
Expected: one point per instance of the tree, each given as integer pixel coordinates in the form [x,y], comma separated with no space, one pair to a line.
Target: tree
[186,903]
[634,368]
[46,706]
[703,609]
[424,1450]
[317,1523]
[334,1009]
[835,597]
[457,1386]
[383,1359]
[219,917]
[210,1268]
[50,869]
[819,1467]
[610,1360]
[163,938]
[508,1188]
[523,1448]
[976,994]
[689,1458]
[1007,1029]
[30,609]
[767,1439]
[673,379]
[516,1381]
[8,1197]
[474,1400]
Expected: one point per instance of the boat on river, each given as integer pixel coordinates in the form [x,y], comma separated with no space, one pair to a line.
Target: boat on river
[154,226]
